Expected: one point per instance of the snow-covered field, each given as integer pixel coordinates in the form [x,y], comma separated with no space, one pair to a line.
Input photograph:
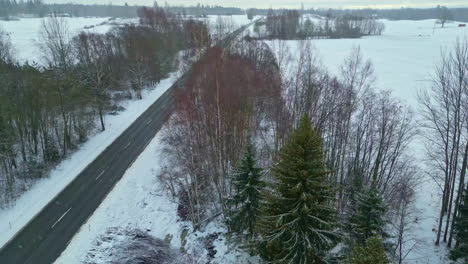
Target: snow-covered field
[404,58]
[148,209]
[239,20]
[25,35]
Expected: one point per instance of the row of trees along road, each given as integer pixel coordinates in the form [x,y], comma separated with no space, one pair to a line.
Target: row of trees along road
[296,161]
[47,110]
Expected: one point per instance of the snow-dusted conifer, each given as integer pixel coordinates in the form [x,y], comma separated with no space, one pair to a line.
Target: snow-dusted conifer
[247,186]
[461,232]
[298,220]
[373,252]
[368,216]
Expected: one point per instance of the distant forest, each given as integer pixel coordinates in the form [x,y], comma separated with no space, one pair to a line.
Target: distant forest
[13,8]
[455,14]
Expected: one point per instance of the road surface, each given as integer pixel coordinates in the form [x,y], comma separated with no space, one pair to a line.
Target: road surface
[47,235]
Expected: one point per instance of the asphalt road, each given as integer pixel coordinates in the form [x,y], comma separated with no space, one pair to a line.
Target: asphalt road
[46,236]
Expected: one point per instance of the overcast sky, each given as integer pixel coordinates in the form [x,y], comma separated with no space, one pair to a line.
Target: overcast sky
[286,3]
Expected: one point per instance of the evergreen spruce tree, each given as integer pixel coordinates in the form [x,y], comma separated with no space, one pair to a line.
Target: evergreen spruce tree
[368,216]
[354,190]
[297,217]
[373,252]
[461,232]
[245,203]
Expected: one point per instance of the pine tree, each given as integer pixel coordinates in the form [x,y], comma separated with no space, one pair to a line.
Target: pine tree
[245,203]
[297,218]
[368,218]
[461,232]
[373,252]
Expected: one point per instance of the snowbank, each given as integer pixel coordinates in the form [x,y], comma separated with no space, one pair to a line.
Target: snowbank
[138,202]
[32,201]
[135,202]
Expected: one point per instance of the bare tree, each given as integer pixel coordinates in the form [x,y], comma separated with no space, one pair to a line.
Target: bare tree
[365,132]
[47,111]
[6,48]
[283,57]
[55,42]
[94,54]
[138,77]
[305,89]
[357,78]
[225,93]
[223,26]
[57,54]
[404,219]
[444,15]
[444,121]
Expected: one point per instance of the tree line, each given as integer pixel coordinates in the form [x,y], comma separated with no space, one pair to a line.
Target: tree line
[296,161]
[454,13]
[48,110]
[11,8]
[403,13]
[291,25]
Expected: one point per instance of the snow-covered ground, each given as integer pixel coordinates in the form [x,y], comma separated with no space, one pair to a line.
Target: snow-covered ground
[139,202]
[239,20]
[31,202]
[148,209]
[403,58]
[136,202]
[25,35]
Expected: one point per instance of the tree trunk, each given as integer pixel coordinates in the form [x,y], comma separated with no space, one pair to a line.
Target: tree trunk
[101,118]
[460,191]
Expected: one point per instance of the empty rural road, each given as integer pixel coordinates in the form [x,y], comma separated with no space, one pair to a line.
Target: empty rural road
[45,237]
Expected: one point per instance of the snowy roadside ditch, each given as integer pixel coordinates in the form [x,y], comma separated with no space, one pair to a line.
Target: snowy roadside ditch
[135,202]
[138,202]
[15,217]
